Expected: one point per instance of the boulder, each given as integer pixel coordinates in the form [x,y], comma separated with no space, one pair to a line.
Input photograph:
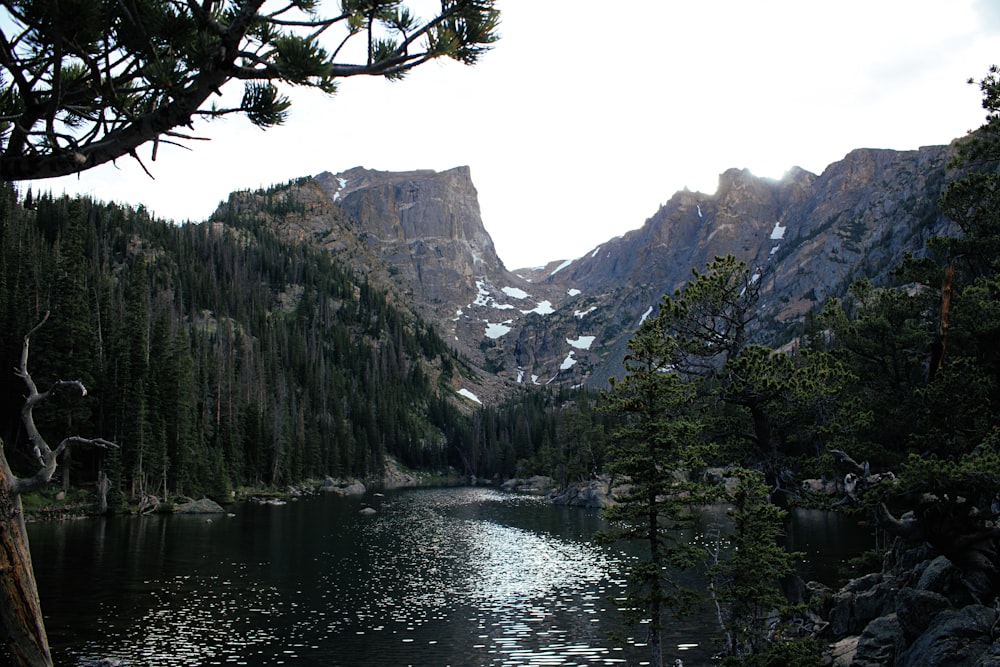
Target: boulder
[861,601]
[938,576]
[593,493]
[841,653]
[367,511]
[353,489]
[992,655]
[536,484]
[203,506]
[916,609]
[879,643]
[878,601]
[955,638]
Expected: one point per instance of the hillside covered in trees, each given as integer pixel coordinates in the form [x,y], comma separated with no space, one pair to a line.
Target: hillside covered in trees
[217,355]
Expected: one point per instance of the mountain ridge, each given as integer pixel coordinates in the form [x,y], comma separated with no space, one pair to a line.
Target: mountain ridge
[420,235]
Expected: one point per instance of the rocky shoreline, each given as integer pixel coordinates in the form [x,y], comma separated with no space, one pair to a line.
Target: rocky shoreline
[56,506]
[916,611]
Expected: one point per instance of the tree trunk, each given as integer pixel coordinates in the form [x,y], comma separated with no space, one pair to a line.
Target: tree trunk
[102,493]
[762,429]
[67,464]
[20,608]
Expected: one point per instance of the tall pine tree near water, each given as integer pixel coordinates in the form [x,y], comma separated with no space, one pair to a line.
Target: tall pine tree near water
[653,451]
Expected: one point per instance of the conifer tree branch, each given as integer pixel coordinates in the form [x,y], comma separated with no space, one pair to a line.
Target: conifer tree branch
[84,90]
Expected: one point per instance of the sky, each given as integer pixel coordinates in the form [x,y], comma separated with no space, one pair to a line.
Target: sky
[587,116]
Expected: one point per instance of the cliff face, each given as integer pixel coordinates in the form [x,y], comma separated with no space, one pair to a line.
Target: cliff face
[425,224]
[809,236]
[419,236]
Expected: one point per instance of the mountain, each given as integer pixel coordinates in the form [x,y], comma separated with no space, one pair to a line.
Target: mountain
[419,236]
[808,236]
[316,327]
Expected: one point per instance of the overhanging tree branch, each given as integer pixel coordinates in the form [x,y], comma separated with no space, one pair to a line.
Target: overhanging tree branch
[83,90]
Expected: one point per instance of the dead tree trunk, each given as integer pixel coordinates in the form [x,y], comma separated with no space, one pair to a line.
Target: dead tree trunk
[102,493]
[19,605]
[20,609]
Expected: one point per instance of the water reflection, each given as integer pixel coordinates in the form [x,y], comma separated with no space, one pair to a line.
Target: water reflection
[511,595]
[437,577]
[461,577]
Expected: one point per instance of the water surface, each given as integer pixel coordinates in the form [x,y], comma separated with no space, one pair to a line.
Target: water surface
[437,577]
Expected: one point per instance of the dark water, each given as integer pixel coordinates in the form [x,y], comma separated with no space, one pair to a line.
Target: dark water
[438,577]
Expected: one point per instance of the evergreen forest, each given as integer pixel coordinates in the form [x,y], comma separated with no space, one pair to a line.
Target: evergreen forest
[217,356]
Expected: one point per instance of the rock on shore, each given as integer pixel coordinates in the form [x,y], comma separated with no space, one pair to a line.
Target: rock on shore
[203,506]
[538,484]
[344,488]
[916,612]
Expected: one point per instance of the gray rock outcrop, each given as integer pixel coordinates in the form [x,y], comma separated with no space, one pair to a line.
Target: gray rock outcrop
[914,613]
[203,506]
[592,493]
[536,484]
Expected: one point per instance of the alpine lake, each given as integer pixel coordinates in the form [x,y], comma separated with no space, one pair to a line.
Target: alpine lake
[468,576]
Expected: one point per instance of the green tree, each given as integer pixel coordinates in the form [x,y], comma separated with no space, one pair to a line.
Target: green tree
[654,448]
[745,584]
[696,381]
[948,485]
[883,335]
[90,81]
[711,320]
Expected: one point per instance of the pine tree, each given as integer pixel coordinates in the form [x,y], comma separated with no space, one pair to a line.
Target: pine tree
[654,449]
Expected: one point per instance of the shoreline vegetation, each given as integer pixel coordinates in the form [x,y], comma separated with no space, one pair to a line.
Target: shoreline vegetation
[52,503]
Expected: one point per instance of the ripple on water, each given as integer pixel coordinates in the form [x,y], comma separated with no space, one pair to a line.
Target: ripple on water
[465,577]
[533,594]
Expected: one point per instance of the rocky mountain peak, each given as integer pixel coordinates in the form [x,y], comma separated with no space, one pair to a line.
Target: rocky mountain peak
[427,228]
[808,235]
[414,204]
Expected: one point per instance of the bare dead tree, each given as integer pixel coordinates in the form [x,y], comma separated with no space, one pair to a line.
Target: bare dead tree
[20,610]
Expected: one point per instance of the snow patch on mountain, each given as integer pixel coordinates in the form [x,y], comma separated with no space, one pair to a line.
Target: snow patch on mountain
[469,395]
[543,308]
[561,267]
[515,293]
[568,362]
[485,299]
[495,330]
[579,314]
[343,184]
[582,342]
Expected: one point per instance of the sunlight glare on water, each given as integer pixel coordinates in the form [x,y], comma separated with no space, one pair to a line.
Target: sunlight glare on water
[462,577]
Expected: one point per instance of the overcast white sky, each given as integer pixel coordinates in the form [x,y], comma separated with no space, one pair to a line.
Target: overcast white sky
[588,115]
